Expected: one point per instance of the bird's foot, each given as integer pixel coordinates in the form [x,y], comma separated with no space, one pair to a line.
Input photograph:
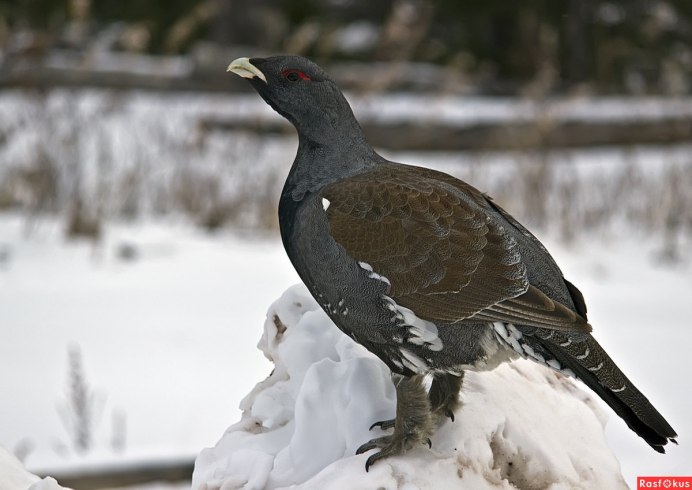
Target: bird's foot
[413,425]
[391,446]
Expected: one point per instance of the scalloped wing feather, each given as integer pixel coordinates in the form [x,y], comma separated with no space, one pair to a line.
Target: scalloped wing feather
[434,239]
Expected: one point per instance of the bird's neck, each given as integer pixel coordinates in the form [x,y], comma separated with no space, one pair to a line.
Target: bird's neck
[334,153]
[328,120]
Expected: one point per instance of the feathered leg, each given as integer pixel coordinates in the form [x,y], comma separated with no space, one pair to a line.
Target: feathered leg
[413,424]
[444,395]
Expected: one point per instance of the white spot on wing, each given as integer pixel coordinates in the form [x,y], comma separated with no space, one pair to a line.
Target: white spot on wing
[325,203]
[373,275]
[500,328]
[596,368]
[422,331]
[510,335]
[514,332]
[584,355]
[531,353]
[412,361]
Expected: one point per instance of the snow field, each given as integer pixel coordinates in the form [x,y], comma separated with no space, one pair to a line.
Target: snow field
[169,337]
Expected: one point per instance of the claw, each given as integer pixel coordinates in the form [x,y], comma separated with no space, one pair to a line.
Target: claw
[381,442]
[365,447]
[374,459]
[449,414]
[429,443]
[384,443]
[383,424]
[372,444]
[371,460]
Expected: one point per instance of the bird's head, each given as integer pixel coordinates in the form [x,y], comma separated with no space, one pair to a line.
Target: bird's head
[302,92]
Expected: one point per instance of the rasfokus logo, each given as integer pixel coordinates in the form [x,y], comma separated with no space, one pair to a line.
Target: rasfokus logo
[664,482]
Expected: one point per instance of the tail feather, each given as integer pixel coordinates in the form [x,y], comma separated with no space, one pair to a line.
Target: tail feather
[590,363]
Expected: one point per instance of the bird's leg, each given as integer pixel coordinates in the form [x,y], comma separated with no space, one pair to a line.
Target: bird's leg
[413,424]
[444,395]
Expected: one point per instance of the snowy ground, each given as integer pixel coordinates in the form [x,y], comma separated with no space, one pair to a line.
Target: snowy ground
[169,337]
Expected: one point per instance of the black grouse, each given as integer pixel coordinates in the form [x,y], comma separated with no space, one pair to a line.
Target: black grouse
[422,269]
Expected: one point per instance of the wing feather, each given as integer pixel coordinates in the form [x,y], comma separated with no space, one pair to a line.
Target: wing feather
[435,240]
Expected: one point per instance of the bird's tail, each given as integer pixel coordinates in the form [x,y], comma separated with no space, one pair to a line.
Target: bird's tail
[581,354]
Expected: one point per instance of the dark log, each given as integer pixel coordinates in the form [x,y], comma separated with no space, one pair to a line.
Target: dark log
[508,136]
[122,475]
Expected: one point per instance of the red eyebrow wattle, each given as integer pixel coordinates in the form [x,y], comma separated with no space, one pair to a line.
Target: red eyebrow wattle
[302,75]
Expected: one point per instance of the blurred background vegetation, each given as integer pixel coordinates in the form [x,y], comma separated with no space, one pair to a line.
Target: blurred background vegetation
[122,110]
[492,46]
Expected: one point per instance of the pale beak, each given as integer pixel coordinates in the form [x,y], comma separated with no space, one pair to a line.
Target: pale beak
[242,67]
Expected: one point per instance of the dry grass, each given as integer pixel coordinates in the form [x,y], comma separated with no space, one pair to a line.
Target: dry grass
[122,169]
[557,196]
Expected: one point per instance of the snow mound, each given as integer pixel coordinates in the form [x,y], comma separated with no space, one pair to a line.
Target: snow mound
[13,476]
[521,425]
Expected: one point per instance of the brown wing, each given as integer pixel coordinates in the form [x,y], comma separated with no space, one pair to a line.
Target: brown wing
[445,257]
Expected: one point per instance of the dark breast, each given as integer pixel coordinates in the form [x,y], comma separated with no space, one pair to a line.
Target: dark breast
[354,299]
[331,276]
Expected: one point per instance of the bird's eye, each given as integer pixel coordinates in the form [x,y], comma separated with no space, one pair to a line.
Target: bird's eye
[294,75]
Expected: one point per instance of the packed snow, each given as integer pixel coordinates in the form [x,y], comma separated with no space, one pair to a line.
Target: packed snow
[13,476]
[521,425]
